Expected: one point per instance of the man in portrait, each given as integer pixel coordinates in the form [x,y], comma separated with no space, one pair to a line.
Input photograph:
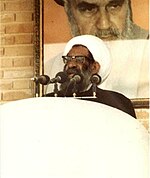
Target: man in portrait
[106,19]
[111,21]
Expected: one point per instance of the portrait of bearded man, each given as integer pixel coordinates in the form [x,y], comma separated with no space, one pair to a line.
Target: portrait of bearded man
[108,20]
[112,21]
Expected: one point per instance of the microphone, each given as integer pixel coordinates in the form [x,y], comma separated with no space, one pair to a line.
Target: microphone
[60,77]
[42,79]
[76,79]
[95,79]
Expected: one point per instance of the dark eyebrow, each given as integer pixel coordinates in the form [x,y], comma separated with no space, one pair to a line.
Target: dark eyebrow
[86,5]
[119,2]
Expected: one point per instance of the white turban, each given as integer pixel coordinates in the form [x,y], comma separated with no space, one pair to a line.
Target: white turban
[98,49]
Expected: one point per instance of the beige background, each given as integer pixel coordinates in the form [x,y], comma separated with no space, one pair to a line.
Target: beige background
[56,28]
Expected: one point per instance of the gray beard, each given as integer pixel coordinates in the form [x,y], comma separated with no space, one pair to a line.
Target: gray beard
[68,88]
[126,34]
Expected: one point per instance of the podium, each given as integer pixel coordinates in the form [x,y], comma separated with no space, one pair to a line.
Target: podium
[70,138]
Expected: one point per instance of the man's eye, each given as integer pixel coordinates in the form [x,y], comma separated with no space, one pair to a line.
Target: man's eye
[80,58]
[87,8]
[114,7]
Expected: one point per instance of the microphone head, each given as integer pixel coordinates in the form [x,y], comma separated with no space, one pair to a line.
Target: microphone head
[61,77]
[95,79]
[76,78]
[43,79]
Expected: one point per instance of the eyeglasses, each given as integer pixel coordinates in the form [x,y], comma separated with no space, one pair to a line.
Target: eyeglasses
[79,59]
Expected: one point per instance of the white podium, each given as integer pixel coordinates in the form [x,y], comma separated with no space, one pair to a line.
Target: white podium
[70,138]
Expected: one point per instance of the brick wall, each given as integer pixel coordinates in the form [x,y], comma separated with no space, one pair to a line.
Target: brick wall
[16,49]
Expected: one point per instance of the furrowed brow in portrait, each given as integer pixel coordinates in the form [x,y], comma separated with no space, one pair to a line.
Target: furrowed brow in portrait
[93,6]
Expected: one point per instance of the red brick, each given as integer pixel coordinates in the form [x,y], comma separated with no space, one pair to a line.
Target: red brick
[21,62]
[18,73]
[5,85]
[23,39]
[16,95]
[24,17]
[16,39]
[7,40]
[1,6]
[19,5]
[19,28]
[5,18]
[21,84]
[2,29]
[6,62]
[19,50]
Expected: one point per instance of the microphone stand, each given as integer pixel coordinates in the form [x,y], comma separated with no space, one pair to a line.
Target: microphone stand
[55,89]
[74,90]
[36,89]
[94,89]
[95,80]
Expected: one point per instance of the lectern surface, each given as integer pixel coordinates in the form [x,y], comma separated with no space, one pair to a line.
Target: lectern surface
[69,138]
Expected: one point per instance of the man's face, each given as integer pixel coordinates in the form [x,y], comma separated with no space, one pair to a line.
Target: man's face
[105,19]
[78,65]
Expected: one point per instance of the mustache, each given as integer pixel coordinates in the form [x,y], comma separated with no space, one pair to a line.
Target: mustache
[108,32]
[73,71]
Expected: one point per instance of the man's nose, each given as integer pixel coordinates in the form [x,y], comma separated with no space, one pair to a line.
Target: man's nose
[103,21]
[72,63]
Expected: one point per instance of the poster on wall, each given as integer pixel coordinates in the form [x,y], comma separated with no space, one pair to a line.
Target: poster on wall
[121,26]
